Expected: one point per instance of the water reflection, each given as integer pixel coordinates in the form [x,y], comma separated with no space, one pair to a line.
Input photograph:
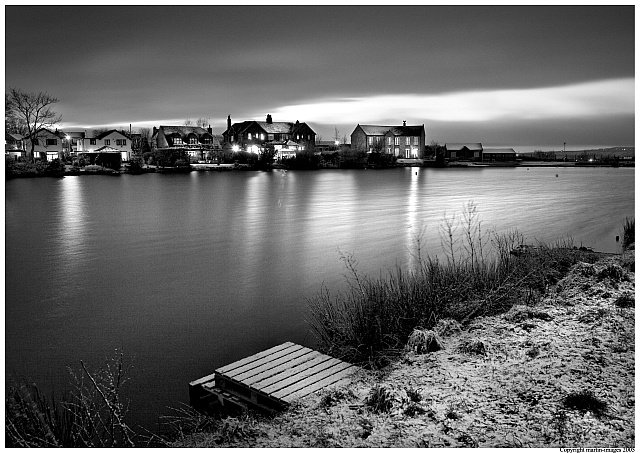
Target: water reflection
[72,223]
[414,234]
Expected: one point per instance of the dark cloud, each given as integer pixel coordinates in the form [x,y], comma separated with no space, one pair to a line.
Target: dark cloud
[129,64]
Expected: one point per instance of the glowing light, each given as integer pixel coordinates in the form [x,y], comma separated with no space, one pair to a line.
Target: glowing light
[589,99]
[235,148]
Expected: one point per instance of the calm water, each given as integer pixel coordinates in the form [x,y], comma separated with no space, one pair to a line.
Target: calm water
[186,273]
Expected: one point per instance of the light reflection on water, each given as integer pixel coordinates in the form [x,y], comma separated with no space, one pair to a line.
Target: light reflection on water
[189,272]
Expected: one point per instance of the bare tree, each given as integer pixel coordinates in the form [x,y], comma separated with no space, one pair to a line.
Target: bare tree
[336,135]
[202,122]
[188,122]
[33,109]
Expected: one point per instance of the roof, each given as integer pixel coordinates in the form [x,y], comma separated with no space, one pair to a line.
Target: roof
[13,136]
[184,131]
[275,127]
[106,149]
[460,146]
[395,130]
[104,134]
[498,151]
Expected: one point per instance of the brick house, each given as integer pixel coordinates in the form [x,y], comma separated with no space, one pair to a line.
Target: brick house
[498,155]
[253,135]
[400,141]
[199,143]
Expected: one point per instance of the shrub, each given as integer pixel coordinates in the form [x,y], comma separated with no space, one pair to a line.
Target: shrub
[625,300]
[584,401]
[423,341]
[479,277]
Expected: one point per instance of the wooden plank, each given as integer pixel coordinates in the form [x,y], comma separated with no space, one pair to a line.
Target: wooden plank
[260,361]
[292,373]
[277,388]
[279,362]
[277,367]
[312,379]
[202,380]
[329,380]
[257,356]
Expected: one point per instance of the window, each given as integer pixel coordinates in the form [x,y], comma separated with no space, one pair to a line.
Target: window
[261,136]
[107,141]
[416,141]
[397,141]
[92,141]
[207,140]
[249,135]
[397,151]
[193,140]
[388,150]
[270,137]
[52,141]
[388,140]
[36,142]
[407,141]
[176,141]
[232,139]
[121,142]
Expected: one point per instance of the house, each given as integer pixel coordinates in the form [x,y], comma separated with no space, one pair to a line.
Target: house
[110,146]
[47,145]
[254,136]
[498,155]
[71,140]
[14,145]
[198,142]
[463,151]
[400,141]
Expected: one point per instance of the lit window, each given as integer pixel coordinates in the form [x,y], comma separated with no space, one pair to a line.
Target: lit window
[261,136]
[370,141]
[397,141]
[177,140]
[407,141]
[249,135]
[388,140]
[416,141]
[193,140]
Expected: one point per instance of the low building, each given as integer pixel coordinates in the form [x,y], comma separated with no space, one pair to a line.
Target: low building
[498,155]
[199,143]
[253,136]
[107,142]
[463,151]
[400,141]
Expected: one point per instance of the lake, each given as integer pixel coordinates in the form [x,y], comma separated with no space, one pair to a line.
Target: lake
[188,272]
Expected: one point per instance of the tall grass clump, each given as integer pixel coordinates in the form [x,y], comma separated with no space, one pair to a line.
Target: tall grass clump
[91,415]
[628,232]
[480,275]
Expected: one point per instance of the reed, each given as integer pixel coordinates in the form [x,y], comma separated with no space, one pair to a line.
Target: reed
[628,232]
[479,276]
[92,415]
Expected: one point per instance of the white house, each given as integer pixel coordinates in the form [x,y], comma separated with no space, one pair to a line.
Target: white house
[108,142]
[47,145]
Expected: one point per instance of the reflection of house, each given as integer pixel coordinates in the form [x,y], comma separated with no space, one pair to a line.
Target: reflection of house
[107,142]
[463,151]
[400,141]
[255,135]
[195,140]
[498,155]
[47,144]
[13,145]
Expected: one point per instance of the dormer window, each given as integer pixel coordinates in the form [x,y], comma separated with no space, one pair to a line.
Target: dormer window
[193,140]
[177,140]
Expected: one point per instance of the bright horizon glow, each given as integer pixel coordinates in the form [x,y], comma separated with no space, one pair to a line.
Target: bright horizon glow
[589,99]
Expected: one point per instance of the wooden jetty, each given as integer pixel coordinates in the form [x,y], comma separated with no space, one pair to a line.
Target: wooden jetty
[269,380]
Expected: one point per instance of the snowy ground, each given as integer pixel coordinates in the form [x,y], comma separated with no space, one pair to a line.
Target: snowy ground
[560,373]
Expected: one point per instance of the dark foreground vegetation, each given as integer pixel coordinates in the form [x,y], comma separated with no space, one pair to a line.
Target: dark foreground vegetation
[387,324]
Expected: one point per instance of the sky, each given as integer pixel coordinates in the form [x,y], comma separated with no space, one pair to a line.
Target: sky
[527,77]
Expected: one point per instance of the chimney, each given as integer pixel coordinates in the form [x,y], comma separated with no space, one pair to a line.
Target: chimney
[269,120]
[404,124]
[228,122]
[154,131]
[210,130]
